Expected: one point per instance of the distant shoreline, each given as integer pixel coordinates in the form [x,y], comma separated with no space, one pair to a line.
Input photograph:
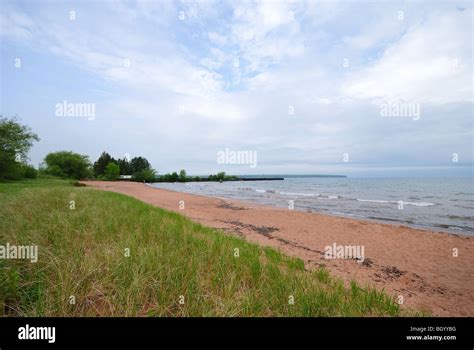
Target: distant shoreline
[208,178]
[246,176]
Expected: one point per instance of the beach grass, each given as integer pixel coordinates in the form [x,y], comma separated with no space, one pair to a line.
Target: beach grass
[113,255]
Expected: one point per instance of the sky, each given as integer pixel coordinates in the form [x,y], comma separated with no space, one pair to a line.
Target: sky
[360,88]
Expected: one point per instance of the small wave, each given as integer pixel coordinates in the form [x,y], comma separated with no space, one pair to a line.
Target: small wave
[460,217]
[328,197]
[346,214]
[381,218]
[462,206]
[265,191]
[299,194]
[372,200]
[420,204]
[453,227]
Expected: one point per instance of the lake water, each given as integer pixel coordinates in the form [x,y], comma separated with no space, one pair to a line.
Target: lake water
[441,204]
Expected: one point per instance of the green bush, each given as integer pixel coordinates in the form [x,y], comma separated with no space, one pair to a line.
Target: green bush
[14,172]
[219,177]
[29,172]
[147,175]
[182,176]
[19,171]
[68,165]
[112,172]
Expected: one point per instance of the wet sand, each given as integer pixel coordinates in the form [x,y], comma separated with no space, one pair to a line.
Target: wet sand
[416,264]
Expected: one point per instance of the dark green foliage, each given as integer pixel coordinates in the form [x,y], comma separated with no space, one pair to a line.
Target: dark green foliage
[15,142]
[221,177]
[125,166]
[136,165]
[139,164]
[182,176]
[29,172]
[67,164]
[147,175]
[101,164]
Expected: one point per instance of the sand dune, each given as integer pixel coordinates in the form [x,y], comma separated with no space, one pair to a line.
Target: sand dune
[416,264]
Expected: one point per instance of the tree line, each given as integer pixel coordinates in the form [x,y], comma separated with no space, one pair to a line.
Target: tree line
[16,140]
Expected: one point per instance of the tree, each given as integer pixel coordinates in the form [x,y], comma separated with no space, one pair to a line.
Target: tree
[147,175]
[174,176]
[182,176]
[139,164]
[101,164]
[112,172]
[68,165]
[125,166]
[220,177]
[15,142]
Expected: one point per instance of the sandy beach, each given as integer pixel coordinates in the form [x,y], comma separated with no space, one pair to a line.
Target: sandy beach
[416,264]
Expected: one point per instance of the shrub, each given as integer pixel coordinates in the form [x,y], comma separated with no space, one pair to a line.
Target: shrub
[29,172]
[147,175]
[182,176]
[219,177]
[112,172]
[14,172]
[68,165]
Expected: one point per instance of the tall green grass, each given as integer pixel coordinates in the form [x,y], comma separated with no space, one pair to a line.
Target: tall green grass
[176,267]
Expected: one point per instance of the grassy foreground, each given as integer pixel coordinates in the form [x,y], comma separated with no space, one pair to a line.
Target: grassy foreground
[175,267]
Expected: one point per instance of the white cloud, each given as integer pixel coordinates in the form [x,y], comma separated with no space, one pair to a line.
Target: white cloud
[181,88]
[217,38]
[431,63]
[266,33]
[15,25]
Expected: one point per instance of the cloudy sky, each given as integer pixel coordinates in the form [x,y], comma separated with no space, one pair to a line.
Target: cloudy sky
[303,84]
